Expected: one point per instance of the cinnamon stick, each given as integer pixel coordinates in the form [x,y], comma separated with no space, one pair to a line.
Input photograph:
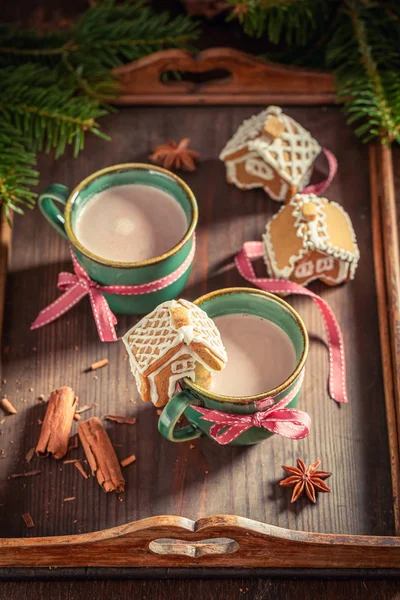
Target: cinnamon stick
[101,455]
[57,423]
[7,406]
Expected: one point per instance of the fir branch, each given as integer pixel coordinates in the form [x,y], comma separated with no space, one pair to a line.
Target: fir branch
[294,21]
[115,33]
[50,115]
[366,64]
[16,172]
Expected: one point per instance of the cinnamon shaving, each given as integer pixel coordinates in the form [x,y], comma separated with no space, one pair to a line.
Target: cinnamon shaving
[69,499]
[85,407]
[99,364]
[101,455]
[81,470]
[128,460]
[70,461]
[26,474]
[28,520]
[57,423]
[29,455]
[121,420]
[7,406]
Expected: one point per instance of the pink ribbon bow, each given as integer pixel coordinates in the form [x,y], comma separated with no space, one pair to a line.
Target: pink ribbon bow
[287,422]
[319,188]
[337,364]
[76,286]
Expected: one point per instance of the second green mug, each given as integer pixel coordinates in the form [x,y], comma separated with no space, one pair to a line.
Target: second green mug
[238,301]
[109,272]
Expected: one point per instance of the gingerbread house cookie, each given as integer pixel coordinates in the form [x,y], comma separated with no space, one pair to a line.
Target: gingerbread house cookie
[311,238]
[271,150]
[176,340]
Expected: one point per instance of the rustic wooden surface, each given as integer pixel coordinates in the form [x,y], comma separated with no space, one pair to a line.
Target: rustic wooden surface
[236,77]
[175,479]
[214,589]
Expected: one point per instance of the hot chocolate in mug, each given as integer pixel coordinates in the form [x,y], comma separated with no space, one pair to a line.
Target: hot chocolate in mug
[236,419]
[128,210]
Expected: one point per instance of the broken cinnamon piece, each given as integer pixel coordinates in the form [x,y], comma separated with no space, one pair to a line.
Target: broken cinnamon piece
[99,364]
[7,406]
[26,474]
[69,499]
[77,417]
[128,460]
[81,470]
[29,455]
[121,420]
[57,423]
[85,407]
[70,461]
[101,455]
[28,520]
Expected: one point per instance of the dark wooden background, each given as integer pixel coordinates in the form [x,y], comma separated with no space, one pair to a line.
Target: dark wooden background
[351,440]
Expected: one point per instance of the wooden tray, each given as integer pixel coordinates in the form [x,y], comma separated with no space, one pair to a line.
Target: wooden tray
[174,491]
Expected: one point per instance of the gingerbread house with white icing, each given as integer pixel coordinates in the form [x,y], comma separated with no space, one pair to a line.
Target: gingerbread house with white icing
[176,340]
[311,238]
[271,150]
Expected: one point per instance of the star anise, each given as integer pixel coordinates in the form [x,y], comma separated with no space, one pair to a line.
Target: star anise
[305,480]
[178,156]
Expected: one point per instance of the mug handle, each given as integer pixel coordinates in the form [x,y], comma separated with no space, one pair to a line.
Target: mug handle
[56,192]
[170,416]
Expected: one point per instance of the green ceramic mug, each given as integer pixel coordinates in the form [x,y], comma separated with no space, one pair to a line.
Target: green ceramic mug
[109,272]
[237,301]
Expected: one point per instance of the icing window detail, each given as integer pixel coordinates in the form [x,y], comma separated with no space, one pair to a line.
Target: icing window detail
[305,269]
[326,263]
[258,168]
[181,366]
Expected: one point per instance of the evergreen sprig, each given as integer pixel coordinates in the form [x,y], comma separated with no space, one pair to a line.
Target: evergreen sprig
[357,39]
[291,20]
[364,53]
[53,87]
[16,171]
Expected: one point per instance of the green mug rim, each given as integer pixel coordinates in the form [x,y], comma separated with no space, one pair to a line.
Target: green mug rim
[277,390]
[125,167]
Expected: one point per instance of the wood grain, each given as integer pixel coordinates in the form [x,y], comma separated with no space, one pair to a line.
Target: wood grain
[174,479]
[239,588]
[254,545]
[241,78]
[385,324]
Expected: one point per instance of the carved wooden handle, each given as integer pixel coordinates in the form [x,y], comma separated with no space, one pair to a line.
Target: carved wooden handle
[194,549]
[251,80]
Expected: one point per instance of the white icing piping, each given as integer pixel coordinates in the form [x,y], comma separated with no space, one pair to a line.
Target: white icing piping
[314,235]
[301,147]
[146,335]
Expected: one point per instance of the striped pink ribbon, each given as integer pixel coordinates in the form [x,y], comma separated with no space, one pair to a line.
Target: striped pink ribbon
[319,188]
[337,363]
[78,284]
[286,422]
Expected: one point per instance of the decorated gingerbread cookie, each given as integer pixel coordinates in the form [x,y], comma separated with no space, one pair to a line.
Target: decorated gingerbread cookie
[311,238]
[176,340]
[271,150]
